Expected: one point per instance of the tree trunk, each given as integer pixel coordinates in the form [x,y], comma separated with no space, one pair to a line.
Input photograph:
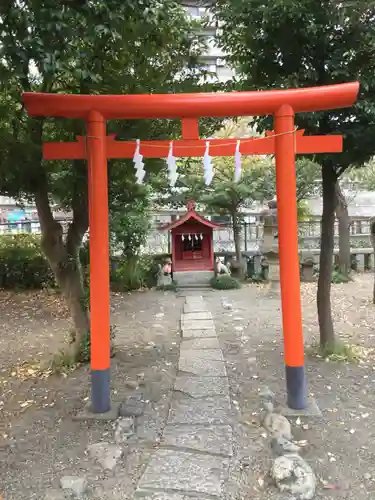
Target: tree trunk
[327,335]
[63,256]
[341,208]
[237,238]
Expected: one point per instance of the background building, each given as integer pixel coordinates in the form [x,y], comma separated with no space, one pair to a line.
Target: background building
[213,60]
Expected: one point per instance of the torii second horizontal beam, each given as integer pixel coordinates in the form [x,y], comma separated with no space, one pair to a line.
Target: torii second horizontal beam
[192,148]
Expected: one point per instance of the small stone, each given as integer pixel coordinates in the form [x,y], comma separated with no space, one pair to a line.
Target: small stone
[133,406]
[280,446]
[227,306]
[266,392]
[294,475]
[75,485]
[106,454]
[124,429]
[131,384]
[367,476]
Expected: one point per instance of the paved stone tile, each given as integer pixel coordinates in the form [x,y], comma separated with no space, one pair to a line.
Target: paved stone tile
[203,367]
[207,324]
[210,410]
[212,354]
[200,343]
[192,299]
[211,439]
[181,471]
[200,315]
[194,308]
[188,334]
[198,387]
[147,495]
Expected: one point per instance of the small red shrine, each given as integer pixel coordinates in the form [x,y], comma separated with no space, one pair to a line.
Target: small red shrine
[192,241]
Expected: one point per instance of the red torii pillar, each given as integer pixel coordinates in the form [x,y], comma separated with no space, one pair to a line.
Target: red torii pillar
[282,104]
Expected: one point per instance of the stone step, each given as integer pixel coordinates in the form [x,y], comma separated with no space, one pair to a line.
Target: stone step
[192,278]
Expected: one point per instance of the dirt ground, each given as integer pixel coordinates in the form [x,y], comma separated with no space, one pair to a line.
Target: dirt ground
[340,445]
[40,442]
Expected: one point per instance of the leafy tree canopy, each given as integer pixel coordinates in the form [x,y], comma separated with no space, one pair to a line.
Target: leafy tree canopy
[289,43]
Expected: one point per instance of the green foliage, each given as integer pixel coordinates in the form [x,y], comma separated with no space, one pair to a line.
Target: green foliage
[129,228]
[339,352]
[224,282]
[22,263]
[83,356]
[338,277]
[131,273]
[363,178]
[331,43]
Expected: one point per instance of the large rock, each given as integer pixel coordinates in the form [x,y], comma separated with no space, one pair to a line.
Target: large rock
[106,454]
[281,446]
[277,425]
[74,485]
[124,429]
[294,475]
[133,406]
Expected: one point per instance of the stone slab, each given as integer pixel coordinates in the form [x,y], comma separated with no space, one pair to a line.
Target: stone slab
[203,367]
[194,308]
[209,410]
[199,387]
[211,354]
[87,414]
[200,343]
[312,410]
[178,471]
[190,299]
[189,334]
[216,439]
[152,495]
[207,324]
[199,315]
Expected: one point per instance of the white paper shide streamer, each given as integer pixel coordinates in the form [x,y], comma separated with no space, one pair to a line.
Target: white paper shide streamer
[207,165]
[237,163]
[172,166]
[138,163]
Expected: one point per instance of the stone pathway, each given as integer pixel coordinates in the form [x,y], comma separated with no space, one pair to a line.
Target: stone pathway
[196,446]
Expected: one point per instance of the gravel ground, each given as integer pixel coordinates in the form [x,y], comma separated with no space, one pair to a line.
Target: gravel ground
[340,445]
[40,442]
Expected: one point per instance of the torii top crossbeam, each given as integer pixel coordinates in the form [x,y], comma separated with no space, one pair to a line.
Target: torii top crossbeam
[265,102]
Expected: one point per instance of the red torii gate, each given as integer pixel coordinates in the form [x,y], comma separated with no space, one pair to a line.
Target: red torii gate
[284,142]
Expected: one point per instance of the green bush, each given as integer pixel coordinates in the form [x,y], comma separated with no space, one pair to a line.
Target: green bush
[24,266]
[338,277]
[224,282]
[22,263]
[130,274]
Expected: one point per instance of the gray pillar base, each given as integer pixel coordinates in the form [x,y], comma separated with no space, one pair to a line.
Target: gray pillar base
[312,410]
[88,414]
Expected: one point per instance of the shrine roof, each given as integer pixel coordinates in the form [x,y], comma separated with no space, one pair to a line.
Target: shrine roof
[191,214]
